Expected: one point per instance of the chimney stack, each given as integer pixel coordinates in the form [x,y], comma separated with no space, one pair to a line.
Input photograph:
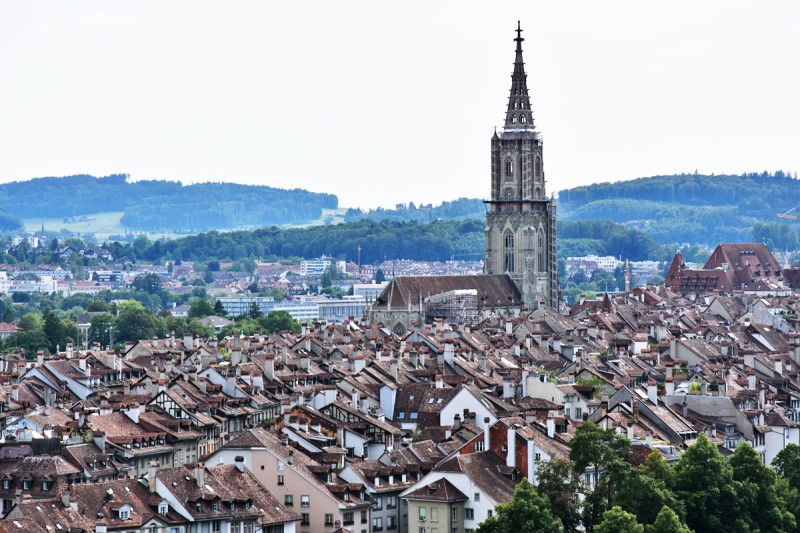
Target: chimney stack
[199,475]
[652,392]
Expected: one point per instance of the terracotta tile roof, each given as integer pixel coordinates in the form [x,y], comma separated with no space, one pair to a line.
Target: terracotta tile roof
[439,490]
[405,291]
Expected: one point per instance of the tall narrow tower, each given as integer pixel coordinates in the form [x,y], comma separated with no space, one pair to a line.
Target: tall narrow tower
[520,219]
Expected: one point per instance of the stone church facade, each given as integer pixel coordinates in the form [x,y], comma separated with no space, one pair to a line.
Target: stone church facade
[521,220]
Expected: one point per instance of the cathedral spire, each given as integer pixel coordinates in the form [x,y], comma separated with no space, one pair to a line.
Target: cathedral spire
[519,115]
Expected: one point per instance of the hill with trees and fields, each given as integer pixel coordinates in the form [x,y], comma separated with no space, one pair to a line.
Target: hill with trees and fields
[163,206]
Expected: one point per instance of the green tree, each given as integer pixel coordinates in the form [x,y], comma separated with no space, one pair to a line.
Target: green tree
[254,312]
[527,511]
[200,308]
[704,482]
[617,520]
[29,340]
[787,464]
[51,330]
[767,509]
[667,521]
[280,321]
[101,328]
[98,306]
[149,283]
[557,482]
[135,322]
[219,309]
[592,446]
[31,322]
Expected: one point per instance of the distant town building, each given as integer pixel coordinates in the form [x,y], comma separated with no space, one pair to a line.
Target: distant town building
[592,262]
[318,266]
[748,267]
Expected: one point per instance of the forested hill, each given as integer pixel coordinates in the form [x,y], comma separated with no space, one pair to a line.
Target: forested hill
[164,205]
[691,208]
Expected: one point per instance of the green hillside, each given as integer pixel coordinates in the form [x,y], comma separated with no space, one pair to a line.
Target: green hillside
[692,208]
[163,207]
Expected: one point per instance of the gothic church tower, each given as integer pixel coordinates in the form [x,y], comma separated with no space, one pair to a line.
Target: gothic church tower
[520,219]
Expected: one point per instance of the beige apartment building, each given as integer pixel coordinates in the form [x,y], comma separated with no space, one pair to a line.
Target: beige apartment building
[436,508]
[324,501]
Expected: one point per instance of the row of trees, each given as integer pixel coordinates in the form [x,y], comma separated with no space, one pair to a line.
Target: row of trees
[437,241]
[702,491]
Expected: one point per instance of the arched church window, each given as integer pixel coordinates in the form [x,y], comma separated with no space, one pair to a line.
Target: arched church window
[515,105]
[522,119]
[509,167]
[537,192]
[541,247]
[537,167]
[508,246]
[513,119]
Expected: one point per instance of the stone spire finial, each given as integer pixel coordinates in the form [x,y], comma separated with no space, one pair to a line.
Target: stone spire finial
[519,114]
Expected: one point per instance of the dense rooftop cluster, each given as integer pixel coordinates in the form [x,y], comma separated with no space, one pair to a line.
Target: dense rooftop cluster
[355,419]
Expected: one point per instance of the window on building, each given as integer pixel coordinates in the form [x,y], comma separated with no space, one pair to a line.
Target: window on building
[509,167]
[377,524]
[489,513]
[478,445]
[537,167]
[542,244]
[469,513]
[391,522]
[236,527]
[6,484]
[328,519]
[453,514]
[508,245]
[162,508]
[363,517]
[391,502]
[434,514]
[513,119]
[288,500]
[46,484]
[280,480]
[248,528]
[280,465]
[477,497]
[377,503]
[216,526]
[422,514]
[124,514]
[522,119]
[215,506]
[304,501]
[347,518]
[304,519]
[26,484]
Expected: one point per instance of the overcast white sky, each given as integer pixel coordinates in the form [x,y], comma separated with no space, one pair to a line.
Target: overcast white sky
[388,102]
